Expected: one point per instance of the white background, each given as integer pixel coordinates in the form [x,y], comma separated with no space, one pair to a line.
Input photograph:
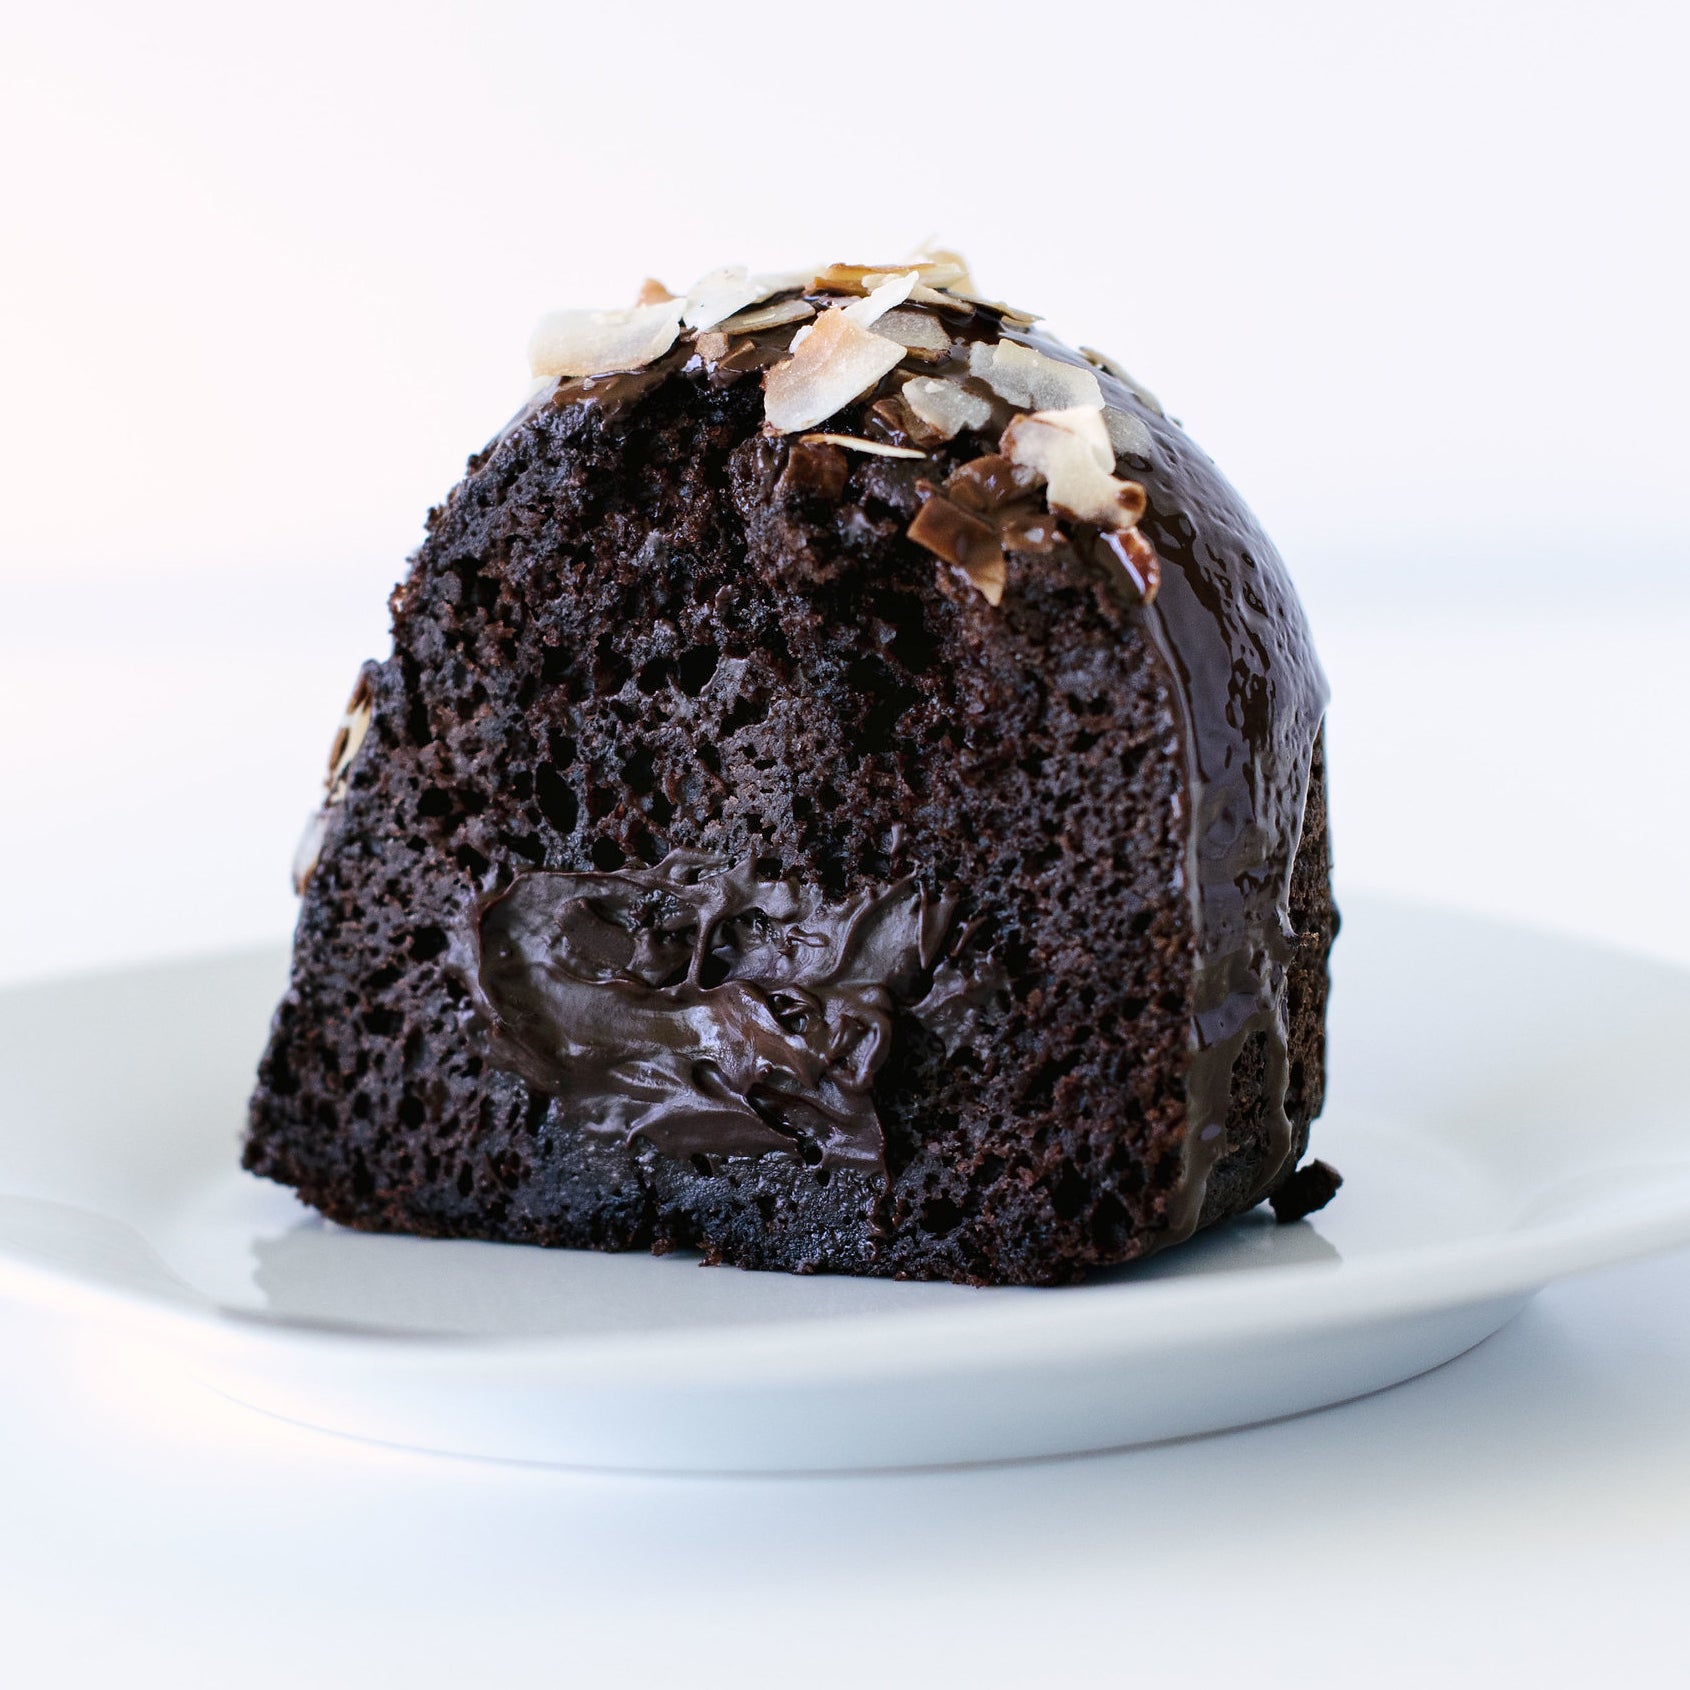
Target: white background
[1416,277]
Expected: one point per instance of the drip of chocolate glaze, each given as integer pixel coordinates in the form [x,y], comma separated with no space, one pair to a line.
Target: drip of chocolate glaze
[706,1009]
[1251,697]
[1229,632]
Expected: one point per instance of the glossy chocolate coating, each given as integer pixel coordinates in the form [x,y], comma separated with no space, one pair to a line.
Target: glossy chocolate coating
[1251,695]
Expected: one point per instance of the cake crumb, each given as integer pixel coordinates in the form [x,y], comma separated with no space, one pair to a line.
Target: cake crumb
[1312,1187]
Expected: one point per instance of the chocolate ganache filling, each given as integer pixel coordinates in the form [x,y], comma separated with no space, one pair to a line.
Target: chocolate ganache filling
[710,1011]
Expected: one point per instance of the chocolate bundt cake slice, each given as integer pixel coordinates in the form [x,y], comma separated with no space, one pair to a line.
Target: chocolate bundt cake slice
[846,794]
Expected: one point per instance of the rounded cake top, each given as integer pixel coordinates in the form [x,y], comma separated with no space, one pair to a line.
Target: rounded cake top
[918,358]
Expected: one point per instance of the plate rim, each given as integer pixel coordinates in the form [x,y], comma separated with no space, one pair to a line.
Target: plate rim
[1166,1315]
[1040,1325]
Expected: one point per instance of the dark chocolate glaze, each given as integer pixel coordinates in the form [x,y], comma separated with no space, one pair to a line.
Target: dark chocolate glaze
[1227,623]
[702,1066]
[1250,695]
[707,1009]
[1251,698]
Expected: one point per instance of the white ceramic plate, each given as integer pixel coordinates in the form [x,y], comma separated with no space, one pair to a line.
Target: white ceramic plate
[1505,1107]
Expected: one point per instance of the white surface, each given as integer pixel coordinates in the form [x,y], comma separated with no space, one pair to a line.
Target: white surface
[1412,273]
[1517,1518]
[1472,1182]
[1521,1515]
[1413,277]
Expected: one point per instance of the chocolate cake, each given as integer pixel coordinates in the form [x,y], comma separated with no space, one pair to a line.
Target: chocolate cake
[846,795]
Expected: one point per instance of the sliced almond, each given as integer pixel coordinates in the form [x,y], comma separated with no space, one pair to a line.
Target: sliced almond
[712,346]
[945,406]
[916,331]
[768,316]
[1031,381]
[856,443]
[715,297]
[1070,449]
[838,361]
[600,343]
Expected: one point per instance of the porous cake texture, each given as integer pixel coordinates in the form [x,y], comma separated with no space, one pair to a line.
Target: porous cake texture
[846,795]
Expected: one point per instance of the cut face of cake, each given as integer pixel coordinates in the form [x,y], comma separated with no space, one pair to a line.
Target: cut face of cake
[846,795]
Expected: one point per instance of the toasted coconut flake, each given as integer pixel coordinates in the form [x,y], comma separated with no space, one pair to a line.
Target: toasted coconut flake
[857,278]
[856,443]
[893,291]
[652,292]
[941,268]
[1070,449]
[842,278]
[1031,381]
[989,578]
[1010,313]
[717,296]
[945,406]
[916,331]
[813,472]
[771,282]
[354,725]
[748,355]
[963,541]
[774,316]
[839,360]
[600,343]
[901,426]
[1138,558]
[921,294]
[1030,530]
[712,346]
[1127,433]
[989,483]
[933,271]
[1136,388]
[308,850]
